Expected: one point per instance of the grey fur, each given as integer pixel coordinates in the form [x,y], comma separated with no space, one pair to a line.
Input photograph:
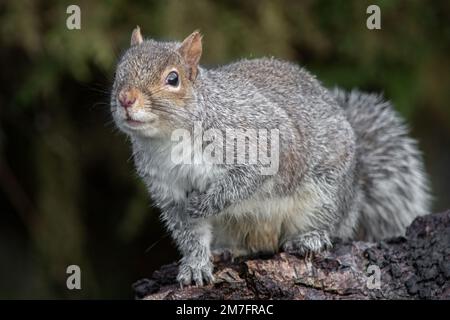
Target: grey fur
[347,167]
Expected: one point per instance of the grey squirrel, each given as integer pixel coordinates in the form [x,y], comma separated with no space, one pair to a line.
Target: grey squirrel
[347,167]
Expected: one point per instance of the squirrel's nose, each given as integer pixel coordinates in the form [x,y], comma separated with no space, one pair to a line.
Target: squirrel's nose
[126,99]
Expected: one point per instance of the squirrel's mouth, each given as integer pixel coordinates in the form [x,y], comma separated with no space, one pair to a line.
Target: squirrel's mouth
[137,124]
[133,122]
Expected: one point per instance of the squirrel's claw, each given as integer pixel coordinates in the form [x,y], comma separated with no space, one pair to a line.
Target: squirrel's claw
[310,242]
[194,273]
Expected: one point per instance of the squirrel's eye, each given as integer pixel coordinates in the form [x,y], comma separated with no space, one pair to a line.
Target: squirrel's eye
[172,79]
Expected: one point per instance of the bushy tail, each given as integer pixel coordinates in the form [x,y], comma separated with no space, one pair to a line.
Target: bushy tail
[394,185]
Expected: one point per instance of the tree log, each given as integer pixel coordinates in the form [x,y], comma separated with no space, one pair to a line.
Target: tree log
[416,266]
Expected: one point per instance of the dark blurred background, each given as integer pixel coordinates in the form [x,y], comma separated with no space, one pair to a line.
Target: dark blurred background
[68,193]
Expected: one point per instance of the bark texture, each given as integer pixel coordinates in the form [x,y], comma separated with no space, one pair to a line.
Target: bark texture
[416,266]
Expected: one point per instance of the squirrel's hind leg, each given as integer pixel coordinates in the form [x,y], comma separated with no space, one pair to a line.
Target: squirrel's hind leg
[312,241]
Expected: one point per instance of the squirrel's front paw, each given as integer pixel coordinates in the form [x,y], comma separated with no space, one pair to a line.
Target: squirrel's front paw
[197,272]
[198,205]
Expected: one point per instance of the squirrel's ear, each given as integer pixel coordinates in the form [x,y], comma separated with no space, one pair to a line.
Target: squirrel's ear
[136,37]
[191,51]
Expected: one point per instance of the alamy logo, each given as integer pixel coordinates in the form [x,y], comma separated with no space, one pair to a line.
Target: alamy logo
[258,147]
[374,20]
[73,22]
[374,277]
[74,279]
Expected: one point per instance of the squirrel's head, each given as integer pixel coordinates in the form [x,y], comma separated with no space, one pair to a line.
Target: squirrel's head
[154,85]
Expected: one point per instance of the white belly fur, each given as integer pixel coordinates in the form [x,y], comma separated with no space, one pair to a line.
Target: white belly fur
[262,225]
